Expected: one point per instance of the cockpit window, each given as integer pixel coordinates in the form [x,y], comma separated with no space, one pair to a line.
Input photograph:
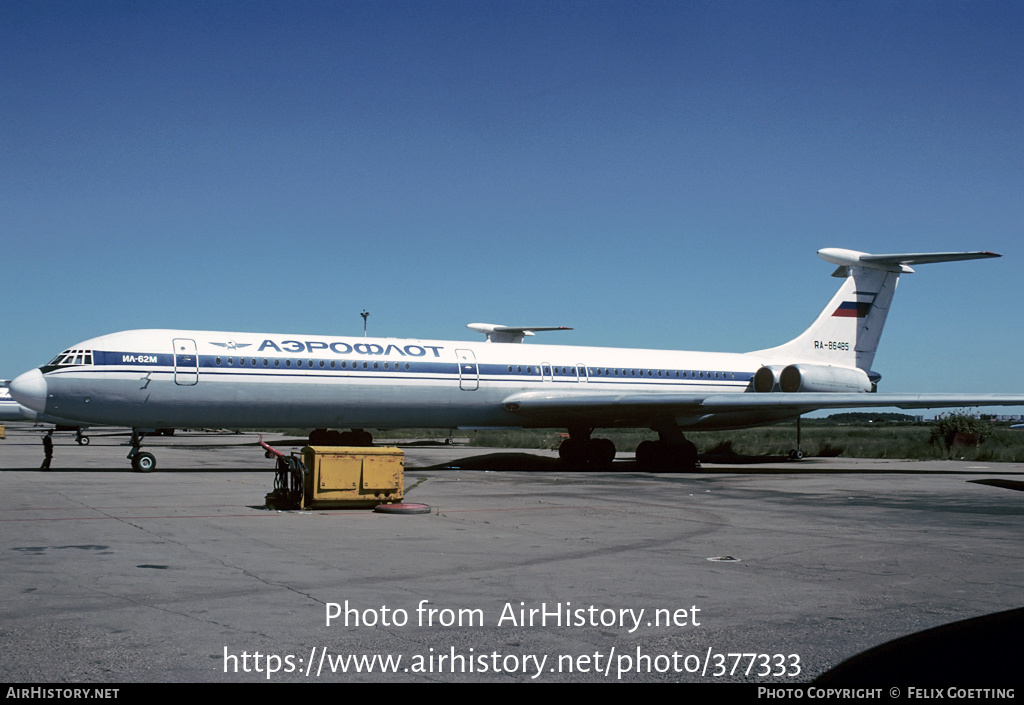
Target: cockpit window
[72,357]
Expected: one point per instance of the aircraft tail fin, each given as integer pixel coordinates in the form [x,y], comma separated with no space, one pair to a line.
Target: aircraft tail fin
[847,331]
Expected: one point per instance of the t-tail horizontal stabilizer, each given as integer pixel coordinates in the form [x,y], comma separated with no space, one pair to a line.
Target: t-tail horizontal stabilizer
[894,263]
[847,331]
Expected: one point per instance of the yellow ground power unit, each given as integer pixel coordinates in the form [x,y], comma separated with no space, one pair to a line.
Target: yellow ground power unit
[352,476]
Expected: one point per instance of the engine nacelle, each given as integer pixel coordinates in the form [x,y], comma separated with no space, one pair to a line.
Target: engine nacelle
[766,379]
[824,378]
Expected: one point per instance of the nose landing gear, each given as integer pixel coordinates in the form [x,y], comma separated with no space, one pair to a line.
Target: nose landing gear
[141,460]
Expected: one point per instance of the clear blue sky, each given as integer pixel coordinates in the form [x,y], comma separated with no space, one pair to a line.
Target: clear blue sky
[652,174]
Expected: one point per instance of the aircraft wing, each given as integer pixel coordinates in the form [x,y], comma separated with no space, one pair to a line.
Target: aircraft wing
[852,401]
[618,405]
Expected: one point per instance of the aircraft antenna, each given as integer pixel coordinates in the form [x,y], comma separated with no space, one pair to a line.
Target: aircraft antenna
[365,314]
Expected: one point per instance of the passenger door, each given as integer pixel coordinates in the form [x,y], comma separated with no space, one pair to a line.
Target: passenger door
[186,362]
[469,371]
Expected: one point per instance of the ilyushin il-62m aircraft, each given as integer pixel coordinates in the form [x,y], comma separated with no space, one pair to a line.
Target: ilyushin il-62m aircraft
[150,379]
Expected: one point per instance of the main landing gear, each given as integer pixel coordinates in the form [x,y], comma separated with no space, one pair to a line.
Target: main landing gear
[356,437]
[667,456]
[670,453]
[579,450]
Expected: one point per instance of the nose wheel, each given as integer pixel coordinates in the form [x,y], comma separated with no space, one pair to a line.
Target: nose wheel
[141,460]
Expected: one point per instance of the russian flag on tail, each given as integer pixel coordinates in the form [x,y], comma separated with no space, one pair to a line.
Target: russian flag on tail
[853,309]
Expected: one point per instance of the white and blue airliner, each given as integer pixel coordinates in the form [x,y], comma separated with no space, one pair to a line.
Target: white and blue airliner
[152,379]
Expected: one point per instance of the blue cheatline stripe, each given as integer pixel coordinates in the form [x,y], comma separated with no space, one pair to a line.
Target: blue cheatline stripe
[417,369]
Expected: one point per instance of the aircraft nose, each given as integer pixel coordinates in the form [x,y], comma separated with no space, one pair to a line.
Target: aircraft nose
[29,390]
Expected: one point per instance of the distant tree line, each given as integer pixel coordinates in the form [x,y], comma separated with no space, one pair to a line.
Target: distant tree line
[870,417]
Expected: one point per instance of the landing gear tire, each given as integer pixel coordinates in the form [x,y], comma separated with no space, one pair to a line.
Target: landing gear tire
[572,452]
[355,437]
[647,454]
[600,452]
[796,454]
[83,441]
[143,462]
[595,453]
[660,456]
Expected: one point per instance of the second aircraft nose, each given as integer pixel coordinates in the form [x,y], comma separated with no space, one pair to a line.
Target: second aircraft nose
[29,390]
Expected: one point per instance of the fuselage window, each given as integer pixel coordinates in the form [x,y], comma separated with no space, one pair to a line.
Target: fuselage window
[218,360]
[277,362]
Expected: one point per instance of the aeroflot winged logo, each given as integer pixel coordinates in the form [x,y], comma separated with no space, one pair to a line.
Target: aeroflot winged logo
[232,345]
